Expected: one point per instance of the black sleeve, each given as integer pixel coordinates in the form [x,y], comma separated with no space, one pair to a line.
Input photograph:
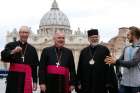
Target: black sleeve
[111,79]
[79,68]
[34,65]
[72,70]
[6,55]
[42,72]
[34,73]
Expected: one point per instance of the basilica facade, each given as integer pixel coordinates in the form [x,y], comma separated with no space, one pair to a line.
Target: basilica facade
[55,20]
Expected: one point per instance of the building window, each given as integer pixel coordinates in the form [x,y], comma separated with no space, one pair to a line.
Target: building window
[45,40]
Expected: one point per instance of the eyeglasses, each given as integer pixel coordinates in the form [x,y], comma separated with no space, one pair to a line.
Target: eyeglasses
[23,32]
[93,36]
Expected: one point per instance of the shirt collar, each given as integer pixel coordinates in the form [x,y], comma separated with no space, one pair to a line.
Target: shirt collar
[137,44]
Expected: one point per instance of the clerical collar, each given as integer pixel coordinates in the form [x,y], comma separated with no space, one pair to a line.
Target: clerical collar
[22,43]
[93,46]
[58,49]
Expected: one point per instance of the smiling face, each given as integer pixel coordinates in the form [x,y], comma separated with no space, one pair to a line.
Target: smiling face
[59,39]
[94,39]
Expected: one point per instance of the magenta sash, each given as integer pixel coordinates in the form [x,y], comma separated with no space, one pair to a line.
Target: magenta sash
[28,75]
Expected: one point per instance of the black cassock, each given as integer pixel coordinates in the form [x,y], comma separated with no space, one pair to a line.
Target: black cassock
[96,77]
[19,79]
[57,78]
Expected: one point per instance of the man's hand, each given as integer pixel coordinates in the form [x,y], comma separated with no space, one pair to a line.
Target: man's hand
[16,50]
[110,60]
[43,87]
[79,86]
[72,88]
[34,86]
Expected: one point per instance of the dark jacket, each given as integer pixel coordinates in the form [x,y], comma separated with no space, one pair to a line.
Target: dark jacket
[99,77]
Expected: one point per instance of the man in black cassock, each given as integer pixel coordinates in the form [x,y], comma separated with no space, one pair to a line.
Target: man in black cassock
[94,76]
[23,61]
[57,69]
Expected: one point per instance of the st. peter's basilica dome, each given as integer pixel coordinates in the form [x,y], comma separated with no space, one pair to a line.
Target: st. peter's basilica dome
[54,20]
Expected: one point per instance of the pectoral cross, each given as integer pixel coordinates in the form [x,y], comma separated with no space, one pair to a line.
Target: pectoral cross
[57,64]
[22,58]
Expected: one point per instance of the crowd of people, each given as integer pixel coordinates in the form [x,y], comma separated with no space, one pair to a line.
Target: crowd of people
[97,72]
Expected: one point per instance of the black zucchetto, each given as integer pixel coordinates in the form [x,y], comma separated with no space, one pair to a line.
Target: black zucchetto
[92,32]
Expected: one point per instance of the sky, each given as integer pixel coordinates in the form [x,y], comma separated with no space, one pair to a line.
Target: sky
[105,15]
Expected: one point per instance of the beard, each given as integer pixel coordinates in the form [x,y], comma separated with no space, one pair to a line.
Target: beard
[94,44]
[130,40]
